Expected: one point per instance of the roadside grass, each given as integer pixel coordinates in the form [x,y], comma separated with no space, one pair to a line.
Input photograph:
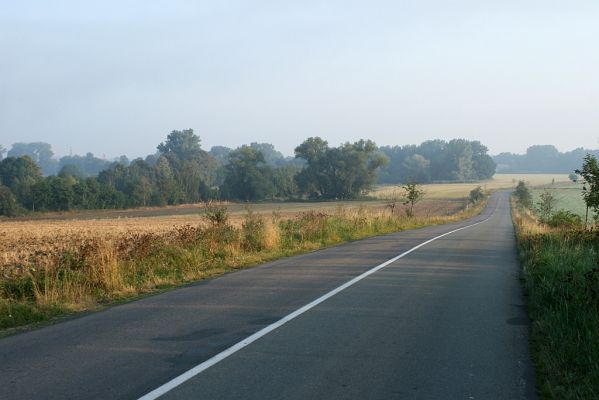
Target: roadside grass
[561,281]
[92,272]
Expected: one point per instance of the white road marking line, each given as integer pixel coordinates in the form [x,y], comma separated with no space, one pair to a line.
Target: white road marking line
[167,387]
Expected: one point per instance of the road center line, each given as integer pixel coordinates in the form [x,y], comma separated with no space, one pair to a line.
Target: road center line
[170,385]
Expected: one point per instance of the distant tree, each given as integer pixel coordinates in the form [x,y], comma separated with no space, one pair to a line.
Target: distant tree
[590,190]
[546,205]
[573,177]
[477,194]
[220,153]
[523,194]
[272,157]
[343,172]
[247,176]
[542,159]
[416,168]
[194,170]
[62,192]
[284,181]
[71,170]
[41,153]
[483,164]
[413,194]
[9,206]
[314,180]
[183,144]
[19,175]
[459,163]
[2,152]
[124,160]
[168,191]
[437,160]
[88,165]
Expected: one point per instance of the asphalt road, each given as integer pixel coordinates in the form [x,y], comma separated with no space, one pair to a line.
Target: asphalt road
[446,321]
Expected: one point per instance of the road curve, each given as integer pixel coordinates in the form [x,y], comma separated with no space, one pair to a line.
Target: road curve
[446,321]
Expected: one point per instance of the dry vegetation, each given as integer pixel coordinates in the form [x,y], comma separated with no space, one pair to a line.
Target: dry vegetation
[54,266]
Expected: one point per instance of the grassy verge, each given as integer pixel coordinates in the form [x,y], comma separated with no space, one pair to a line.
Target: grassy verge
[561,281]
[99,272]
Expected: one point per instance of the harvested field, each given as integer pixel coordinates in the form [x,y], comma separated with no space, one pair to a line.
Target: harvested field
[27,241]
[440,191]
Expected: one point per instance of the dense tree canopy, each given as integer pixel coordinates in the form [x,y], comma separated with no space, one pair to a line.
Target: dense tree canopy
[437,160]
[87,165]
[182,172]
[41,153]
[340,172]
[247,176]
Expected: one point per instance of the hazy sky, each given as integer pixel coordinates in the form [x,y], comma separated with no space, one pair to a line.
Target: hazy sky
[116,77]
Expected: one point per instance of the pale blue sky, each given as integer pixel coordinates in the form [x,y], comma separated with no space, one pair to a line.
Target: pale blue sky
[115,77]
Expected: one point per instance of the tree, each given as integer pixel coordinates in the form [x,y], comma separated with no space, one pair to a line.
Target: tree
[184,144]
[413,194]
[9,206]
[19,175]
[437,160]
[590,188]
[272,156]
[573,177]
[220,153]
[70,170]
[247,176]
[194,170]
[284,181]
[2,152]
[523,194]
[41,153]
[459,163]
[416,168]
[342,172]
[88,165]
[483,164]
[546,205]
[477,194]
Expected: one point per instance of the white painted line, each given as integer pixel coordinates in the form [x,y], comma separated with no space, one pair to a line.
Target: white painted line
[167,387]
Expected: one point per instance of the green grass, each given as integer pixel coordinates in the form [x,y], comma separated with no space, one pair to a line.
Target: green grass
[568,197]
[561,281]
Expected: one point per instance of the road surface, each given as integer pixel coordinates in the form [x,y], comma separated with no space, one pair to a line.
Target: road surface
[446,321]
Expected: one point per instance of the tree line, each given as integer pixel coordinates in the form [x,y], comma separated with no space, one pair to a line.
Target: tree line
[437,160]
[542,159]
[182,172]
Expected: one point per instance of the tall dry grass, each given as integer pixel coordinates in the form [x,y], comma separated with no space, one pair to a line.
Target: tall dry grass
[74,270]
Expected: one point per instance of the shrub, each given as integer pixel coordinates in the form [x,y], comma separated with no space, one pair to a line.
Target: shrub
[253,231]
[216,214]
[477,194]
[523,194]
[565,219]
